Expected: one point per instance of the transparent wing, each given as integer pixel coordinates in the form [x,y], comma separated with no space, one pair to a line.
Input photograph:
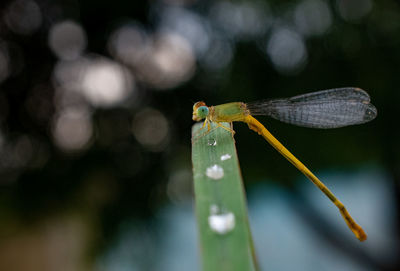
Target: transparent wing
[330,108]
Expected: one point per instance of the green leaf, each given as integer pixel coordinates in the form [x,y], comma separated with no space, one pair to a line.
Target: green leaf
[225,237]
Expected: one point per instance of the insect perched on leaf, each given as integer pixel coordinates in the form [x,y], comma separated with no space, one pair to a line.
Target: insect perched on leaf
[325,109]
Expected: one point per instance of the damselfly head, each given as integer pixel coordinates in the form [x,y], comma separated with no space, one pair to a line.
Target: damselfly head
[200,111]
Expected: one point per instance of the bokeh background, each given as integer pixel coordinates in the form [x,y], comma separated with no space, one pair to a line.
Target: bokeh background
[95,124]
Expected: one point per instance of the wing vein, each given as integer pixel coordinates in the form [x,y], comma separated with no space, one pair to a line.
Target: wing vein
[330,108]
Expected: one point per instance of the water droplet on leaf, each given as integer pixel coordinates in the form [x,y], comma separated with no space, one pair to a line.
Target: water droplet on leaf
[225,157]
[212,142]
[222,223]
[215,172]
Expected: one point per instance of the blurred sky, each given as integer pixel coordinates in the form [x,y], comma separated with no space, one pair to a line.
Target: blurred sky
[95,117]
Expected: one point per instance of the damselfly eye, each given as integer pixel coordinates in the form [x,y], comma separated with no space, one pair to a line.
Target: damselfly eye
[202,112]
